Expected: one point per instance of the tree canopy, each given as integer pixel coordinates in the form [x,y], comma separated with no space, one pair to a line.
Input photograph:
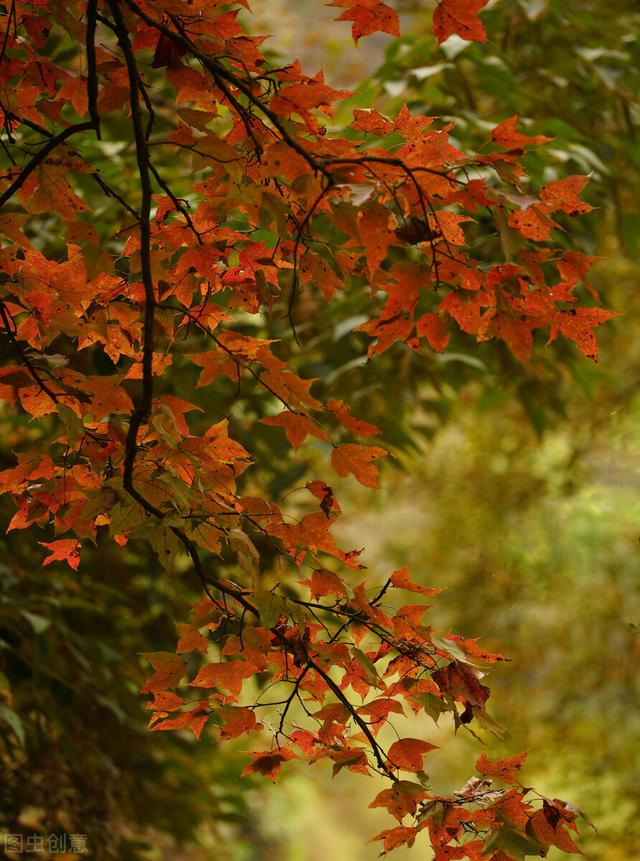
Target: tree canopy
[211,259]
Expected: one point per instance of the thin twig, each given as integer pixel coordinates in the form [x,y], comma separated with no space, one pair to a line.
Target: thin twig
[92,68]
[40,156]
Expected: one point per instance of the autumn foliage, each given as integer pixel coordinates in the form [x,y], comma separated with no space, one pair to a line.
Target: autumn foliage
[281,204]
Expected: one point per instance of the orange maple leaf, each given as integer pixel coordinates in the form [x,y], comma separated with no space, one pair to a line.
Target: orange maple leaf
[459,17]
[408,753]
[63,550]
[369,16]
[505,769]
[358,460]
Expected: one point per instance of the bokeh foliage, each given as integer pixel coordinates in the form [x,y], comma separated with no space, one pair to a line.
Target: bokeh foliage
[518,494]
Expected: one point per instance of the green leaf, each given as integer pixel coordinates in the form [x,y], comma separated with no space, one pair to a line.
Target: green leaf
[270,607]
[165,543]
[452,648]
[73,423]
[487,722]
[38,623]
[432,705]
[517,846]
[9,716]
[367,666]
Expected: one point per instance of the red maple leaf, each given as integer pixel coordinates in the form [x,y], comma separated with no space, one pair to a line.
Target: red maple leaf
[407,753]
[368,16]
[63,550]
[506,769]
[459,17]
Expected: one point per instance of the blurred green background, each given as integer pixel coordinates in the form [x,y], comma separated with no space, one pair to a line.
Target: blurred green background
[516,488]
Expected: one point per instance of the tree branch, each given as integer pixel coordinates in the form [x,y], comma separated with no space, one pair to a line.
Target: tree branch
[143,409]
[40,156]
[95,175]
[92,69]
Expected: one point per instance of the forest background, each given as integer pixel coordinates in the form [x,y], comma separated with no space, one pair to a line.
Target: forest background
[515,487]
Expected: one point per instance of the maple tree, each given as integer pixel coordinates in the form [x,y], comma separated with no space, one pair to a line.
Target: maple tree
[105,328]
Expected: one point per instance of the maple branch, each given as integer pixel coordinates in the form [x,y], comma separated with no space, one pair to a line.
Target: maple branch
[10,331]
[236,594]
[144,406]
[182,39]
[425,215]
[358,616]
[242,112]
[381,593]
[218,71]
[410,172]
[177,202]
[220,74]
[143,409]
[294,275]
[111,192]
[11,18]
[92,69]
[290,699]
[95,175]
[273,118]
[392,162]
[40,156]
[244,364]
[193,148]
[377,750]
